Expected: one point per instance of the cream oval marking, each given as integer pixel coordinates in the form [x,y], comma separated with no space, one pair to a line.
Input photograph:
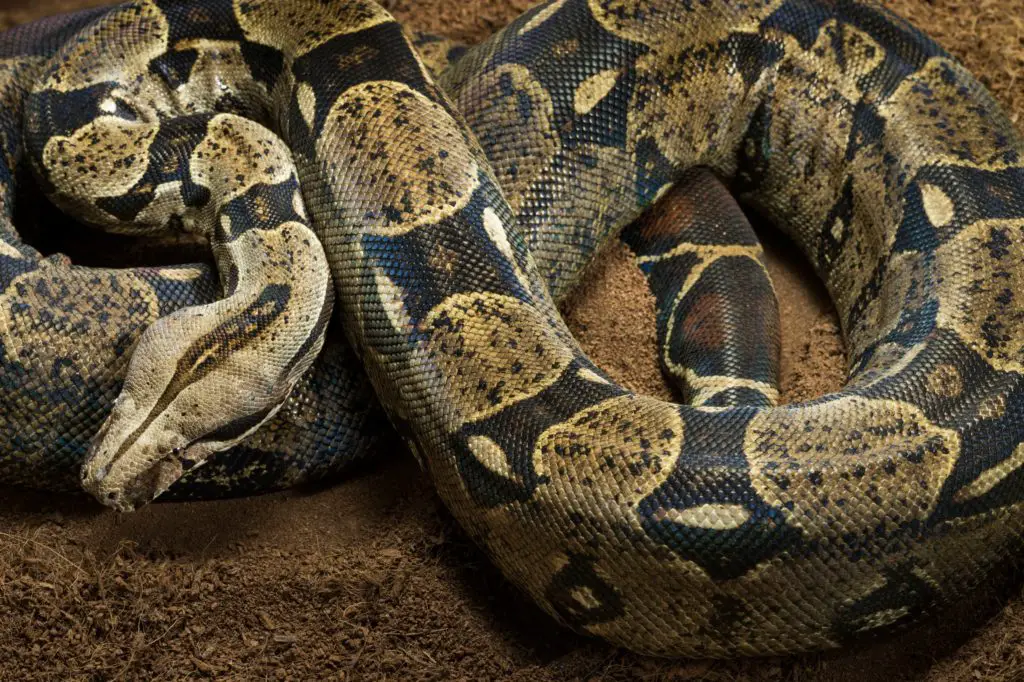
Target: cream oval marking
[496,231]
[882,618]
[392,300]
[181,274]
[937,205]
[9,251]
[299,206]
[713,516]
[594,89]
[662,191]
[491,456]
[838,228]
[541,16]
[584,596]
[590,375]
[305,98]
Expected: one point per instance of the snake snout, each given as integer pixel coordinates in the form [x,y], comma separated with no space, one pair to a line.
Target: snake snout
[97,481]
[127,473]
[124,487]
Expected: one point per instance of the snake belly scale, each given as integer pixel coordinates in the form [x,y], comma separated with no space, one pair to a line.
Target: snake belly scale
[704,529]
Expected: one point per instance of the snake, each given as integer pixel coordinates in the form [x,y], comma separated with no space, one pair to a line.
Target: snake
[452,213]
[329,420]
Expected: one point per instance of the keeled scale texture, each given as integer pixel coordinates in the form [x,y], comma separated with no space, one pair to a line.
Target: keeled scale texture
[677,529]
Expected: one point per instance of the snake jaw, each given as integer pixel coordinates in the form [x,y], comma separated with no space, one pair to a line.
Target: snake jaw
[170,418]
[202,379]
[128,473]
[111,486]
[126,470]
[130,465]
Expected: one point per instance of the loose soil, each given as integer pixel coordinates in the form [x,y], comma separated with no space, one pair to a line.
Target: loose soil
[370,578]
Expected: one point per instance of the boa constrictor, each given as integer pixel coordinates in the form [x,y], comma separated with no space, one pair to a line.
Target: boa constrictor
[716,528]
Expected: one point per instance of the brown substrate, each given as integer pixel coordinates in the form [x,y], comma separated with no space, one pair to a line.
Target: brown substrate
[370,579]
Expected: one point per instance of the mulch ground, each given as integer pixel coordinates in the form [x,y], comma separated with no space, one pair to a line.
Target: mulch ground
[370,578]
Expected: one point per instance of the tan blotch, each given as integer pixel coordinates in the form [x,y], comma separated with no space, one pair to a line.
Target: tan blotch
[219,69]
[945,381]
[937,205]
[992,407]
[672,24]
[21,325]
[100,55]
[711,92]
[96,154]
[520,149]
[400,160]
[492,351]
[223,161]
[594,89]
[303,26]
[833,465]
[976,268]
[966,128]
[862,53]
[614,453]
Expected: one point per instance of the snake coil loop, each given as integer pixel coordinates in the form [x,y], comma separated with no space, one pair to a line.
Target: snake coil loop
[450,215]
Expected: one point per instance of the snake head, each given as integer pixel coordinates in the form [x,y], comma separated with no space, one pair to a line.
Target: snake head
[199,381]
[127,470]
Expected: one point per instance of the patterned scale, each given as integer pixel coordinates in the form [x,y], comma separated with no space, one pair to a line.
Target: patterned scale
[453,216]
[331,420]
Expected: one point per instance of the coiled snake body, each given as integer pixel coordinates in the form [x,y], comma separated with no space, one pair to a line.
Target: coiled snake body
[722,527]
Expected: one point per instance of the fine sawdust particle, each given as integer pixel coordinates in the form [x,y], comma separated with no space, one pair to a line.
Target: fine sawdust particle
[369,578]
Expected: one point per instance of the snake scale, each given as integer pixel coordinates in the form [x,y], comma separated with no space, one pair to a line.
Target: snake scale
[451,216]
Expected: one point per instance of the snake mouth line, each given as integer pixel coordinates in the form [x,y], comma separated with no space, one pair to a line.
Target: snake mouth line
[711,530]
[163,470]
[143,488]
